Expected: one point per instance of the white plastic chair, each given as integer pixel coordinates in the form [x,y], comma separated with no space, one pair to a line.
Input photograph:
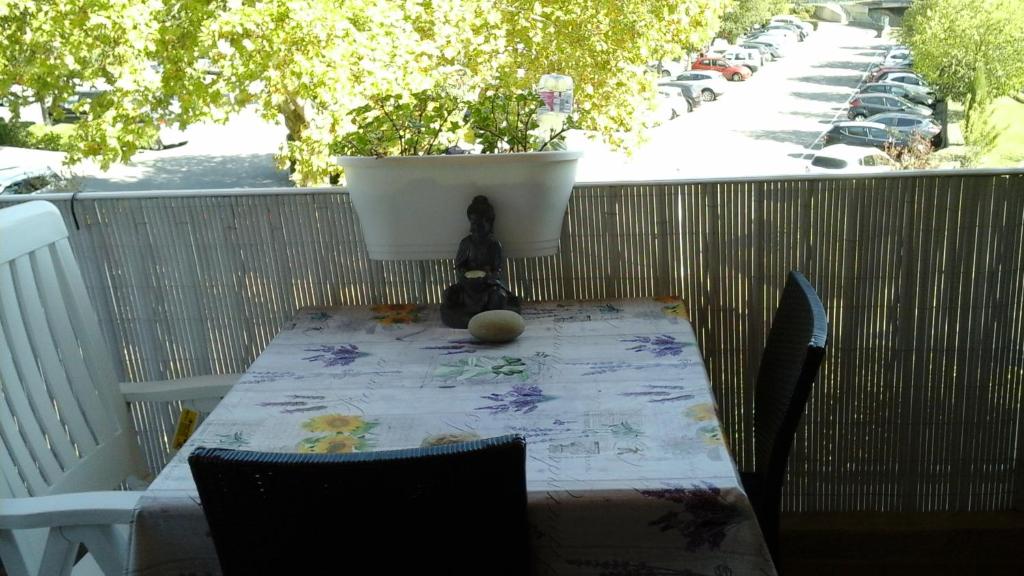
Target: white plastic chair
[66,441]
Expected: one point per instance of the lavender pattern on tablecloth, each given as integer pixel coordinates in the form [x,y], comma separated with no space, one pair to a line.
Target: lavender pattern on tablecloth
[521,399]
[661,345]
[704,517]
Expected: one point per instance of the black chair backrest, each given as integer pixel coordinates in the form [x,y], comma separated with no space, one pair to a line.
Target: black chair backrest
[792,356]
[454,509]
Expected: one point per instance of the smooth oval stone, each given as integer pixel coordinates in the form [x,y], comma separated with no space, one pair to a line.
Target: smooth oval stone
[496,326]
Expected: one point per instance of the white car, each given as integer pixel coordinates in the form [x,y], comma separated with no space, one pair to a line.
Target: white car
[30,180]
[745,56]
[710,83]
[846,159]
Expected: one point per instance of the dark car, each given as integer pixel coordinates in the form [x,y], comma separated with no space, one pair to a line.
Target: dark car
[910,124]
[905,91]
[866,134]
[864,105]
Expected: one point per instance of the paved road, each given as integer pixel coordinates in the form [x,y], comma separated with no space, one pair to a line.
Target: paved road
[239,154]
[766,125]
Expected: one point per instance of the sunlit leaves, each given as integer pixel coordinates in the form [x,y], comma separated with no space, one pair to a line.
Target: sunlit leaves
[314,64]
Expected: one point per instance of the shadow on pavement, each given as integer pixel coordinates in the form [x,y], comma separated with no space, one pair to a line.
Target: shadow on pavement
[190,173]
[842,64]
[821,117]
[804,138]
[801,155]
[845,80]
[832,97]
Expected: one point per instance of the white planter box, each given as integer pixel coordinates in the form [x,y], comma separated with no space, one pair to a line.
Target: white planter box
[414,207]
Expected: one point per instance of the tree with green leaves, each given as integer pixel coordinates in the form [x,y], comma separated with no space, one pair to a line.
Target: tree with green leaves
[742,15]
[311,63]
[955,41]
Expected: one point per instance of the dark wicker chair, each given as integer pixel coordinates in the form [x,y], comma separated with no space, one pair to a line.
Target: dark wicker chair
[792,355]
[455,509]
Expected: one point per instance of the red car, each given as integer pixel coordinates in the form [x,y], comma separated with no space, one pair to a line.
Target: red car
[728,69]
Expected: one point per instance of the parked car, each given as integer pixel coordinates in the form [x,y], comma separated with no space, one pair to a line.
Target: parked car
[904,77]
[906,91]
[897,57]
[667,68]
[20,179]
[670,104]
[776,49]
[866,134]
[710,83]
[864,105]
[764,49]
[728,69]
[785,26]
[910,124]
[850,159]
[691,94]
[790,19]
[875,72]
[742,57]
[72,110]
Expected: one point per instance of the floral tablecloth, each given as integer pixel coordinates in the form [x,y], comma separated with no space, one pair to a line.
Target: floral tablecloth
[627,469]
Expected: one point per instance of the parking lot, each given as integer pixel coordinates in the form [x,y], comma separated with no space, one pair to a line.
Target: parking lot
[769,124]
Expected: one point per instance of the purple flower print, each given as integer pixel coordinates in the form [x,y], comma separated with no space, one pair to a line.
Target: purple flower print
[703,518]
[521,399]
[660,393]
[335,355]
[660,346]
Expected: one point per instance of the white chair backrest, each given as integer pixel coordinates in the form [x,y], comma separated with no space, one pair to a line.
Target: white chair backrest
[64,425]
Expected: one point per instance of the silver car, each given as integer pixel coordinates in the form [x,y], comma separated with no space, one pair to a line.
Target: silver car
[908,124]
[710,83]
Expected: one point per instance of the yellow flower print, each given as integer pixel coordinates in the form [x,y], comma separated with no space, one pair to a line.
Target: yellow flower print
[391,314]
[334,423]
[677,311]
[333,444]
[701,412]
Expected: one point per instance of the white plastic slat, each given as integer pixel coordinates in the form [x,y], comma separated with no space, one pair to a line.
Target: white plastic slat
[44,343]
[29,362]
[14,384]
[99,420]
[87,330]
[12,484]
[17,466]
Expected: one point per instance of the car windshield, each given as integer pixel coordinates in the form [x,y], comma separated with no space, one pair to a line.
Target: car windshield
[828,162]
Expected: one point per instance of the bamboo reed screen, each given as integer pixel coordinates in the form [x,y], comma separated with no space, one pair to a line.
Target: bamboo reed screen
[918,405]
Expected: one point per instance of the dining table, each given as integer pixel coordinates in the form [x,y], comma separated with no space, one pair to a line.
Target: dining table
[628,470]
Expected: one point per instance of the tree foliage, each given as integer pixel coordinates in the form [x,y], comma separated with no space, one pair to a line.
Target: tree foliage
[311,63]
[954,41]
[742,15]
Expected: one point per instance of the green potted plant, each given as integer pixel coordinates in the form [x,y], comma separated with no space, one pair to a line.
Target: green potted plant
[417,161]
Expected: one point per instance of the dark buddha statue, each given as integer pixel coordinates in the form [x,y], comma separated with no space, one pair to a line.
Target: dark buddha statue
[478,265]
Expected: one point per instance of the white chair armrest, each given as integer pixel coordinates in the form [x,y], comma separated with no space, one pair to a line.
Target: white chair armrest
[195,388]
[77,509]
